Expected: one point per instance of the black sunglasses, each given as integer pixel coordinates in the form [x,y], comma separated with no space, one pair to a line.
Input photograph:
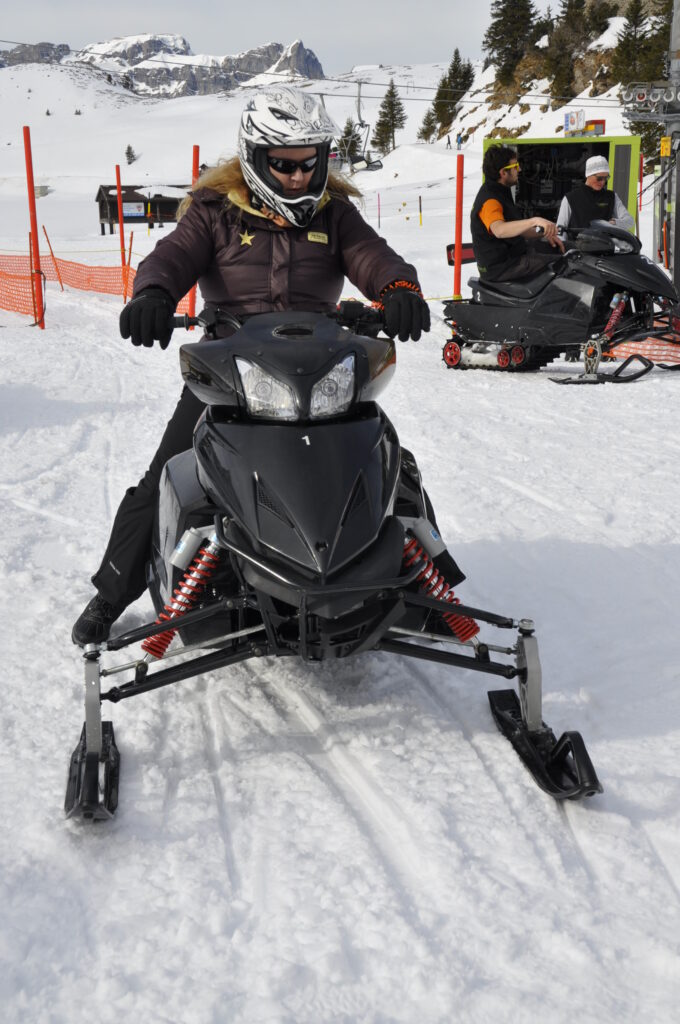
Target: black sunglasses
[283,166]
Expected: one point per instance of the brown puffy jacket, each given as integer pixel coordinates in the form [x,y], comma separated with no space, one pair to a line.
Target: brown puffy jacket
[245,263]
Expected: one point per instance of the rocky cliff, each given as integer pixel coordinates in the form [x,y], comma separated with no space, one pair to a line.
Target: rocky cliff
[164,65]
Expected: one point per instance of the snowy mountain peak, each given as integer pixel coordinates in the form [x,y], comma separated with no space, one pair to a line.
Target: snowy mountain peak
[133,49]
[164,65]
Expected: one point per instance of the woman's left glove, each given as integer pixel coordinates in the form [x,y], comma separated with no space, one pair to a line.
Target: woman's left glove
[147,318]
[406,312]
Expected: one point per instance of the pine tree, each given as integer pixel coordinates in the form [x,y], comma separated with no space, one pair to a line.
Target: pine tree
[506,38]
[391,117]
[599,15]
[653,66]
[457,80]
[441,104]
[429,127]
[630,53]
[572,33]
[130,155]
[349,143]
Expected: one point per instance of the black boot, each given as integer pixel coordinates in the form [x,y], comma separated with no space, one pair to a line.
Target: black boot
[94,623]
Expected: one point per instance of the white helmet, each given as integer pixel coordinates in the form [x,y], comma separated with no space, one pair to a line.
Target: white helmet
[282,116]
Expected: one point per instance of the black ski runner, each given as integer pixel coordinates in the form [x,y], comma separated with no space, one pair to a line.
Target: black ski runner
[560,767]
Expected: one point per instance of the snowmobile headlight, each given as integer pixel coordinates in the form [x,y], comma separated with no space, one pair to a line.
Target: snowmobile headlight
[333,394]
[266,396]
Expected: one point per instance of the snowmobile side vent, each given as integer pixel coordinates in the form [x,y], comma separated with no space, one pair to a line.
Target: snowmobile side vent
[433,584]
[185,594]
[265,500]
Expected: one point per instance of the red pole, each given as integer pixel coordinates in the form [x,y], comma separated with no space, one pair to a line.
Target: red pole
[194,179]
[458,251]
[378,209]
[121,229]
[35,249]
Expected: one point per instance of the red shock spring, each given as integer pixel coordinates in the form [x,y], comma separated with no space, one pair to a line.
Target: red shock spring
[185,594]
[434,585]
[614,318]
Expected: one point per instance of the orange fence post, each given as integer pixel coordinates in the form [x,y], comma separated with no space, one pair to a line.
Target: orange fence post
[56,265]
[458,236]
[35,249]
[127,268]
[194,179]
[30,264]
[121,225]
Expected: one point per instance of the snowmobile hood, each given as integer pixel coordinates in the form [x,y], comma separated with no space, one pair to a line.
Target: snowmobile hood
[315,495]
[635,272]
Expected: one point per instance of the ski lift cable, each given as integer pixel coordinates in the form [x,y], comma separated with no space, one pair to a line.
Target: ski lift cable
[604,102]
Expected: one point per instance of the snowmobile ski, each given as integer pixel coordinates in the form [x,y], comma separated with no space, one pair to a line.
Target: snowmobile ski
[561,767]
[87,794]
[619,376]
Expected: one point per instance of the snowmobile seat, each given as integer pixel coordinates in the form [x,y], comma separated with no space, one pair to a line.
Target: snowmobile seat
[522,288]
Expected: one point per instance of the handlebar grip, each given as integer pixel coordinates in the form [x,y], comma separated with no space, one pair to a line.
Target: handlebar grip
[184,321]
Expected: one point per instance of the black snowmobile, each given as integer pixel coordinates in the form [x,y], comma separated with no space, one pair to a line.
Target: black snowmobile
[298,526]
[601,293]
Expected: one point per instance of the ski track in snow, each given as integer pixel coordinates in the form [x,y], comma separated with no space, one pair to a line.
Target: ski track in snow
[349,843]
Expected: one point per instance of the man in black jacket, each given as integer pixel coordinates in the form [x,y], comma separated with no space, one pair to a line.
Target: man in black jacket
[499,234]
[593,200]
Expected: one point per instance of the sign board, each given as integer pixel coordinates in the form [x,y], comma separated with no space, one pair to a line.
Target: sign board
[665,145]
[574,120]
[133,209]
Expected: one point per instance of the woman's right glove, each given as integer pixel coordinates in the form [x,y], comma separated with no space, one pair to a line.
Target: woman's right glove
[405,310]
[147,318]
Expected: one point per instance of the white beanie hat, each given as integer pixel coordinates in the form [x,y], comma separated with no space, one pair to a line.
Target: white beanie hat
[596,165]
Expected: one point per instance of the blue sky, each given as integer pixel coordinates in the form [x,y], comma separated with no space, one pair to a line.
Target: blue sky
[353,32]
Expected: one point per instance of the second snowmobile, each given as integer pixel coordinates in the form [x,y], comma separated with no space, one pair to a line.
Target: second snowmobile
[602,292]
[298,526]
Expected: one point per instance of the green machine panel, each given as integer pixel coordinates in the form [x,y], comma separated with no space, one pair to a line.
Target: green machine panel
[552,167]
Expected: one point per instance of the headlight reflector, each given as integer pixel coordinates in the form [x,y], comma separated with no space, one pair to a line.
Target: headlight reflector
[266,396]
[333,394]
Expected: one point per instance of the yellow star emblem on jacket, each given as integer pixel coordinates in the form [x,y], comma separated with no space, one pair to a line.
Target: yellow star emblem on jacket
[246,239]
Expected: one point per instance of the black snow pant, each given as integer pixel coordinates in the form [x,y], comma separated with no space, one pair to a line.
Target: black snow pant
[120,579]
[531,263]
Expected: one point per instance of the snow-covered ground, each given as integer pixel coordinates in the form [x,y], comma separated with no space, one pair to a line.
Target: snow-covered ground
[356,842]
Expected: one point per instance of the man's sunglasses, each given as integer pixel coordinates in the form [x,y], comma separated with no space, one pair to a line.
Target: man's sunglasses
[601,177]
[510,167]
[283,166]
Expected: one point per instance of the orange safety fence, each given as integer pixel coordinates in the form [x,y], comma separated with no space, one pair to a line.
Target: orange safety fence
[16,293]
[15,279]
[656,349]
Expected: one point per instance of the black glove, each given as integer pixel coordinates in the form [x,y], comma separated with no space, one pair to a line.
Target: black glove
[406,312]
[147,317]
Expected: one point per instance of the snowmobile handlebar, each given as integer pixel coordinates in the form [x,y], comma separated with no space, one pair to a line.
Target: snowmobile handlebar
[362,319]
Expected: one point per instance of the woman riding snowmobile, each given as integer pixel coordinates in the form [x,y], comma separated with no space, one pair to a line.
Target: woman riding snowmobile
[266,231]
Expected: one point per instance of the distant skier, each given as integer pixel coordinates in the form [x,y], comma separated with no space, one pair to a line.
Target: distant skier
[448,142]
[459,140]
